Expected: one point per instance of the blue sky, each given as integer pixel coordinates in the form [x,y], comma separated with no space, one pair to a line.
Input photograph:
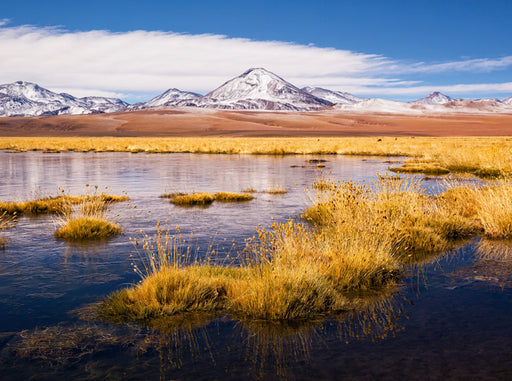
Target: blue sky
[392,49]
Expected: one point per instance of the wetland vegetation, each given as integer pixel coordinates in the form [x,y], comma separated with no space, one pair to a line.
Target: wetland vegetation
[481,156]
[358,239]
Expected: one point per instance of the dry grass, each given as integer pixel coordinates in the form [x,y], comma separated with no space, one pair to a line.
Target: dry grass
[483,156]
[233,197]
[6,221]
[89,220]
[60,204]
[360,237]
[201,199]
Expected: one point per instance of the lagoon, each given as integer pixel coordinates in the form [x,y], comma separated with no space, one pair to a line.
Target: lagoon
[448,319]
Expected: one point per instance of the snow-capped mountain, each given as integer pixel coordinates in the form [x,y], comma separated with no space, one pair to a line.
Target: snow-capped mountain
[29,99]
[338,97]
[102,104]
[260,89]
[435,98]
[507,101]
[171,97]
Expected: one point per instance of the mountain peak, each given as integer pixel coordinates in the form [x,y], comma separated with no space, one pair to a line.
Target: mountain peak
[434,98]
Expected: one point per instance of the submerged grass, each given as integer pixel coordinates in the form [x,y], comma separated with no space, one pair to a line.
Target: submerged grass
[487,157]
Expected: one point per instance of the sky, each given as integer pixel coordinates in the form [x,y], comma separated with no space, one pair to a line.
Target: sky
[134,50]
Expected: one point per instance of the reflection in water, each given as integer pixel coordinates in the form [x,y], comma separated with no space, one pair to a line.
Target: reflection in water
[199,341]
[493,264]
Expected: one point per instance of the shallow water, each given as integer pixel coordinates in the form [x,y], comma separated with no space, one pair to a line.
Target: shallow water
[449,319]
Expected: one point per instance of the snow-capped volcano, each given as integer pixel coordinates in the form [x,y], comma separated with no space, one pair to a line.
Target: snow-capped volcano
[260,89]
[29,99]
[337,97]
[435,98]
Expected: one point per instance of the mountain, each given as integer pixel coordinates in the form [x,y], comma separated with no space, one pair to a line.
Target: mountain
[435,98]
[260,89]
[104,105]
[29,99]
[332,96]
[171,97]
[507,101]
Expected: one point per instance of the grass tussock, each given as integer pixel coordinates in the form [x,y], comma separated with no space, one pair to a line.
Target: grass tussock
[418,167]
[88,220]
[233,197]
[201,198]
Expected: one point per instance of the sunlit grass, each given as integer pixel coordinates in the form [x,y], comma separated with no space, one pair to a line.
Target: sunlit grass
[201,198]
[60,204]
[87,228]
[233,197]
[88,220]
[6,221]
[358,238]
[482,156]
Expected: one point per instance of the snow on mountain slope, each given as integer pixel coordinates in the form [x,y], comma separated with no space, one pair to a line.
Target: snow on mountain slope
[435,98]
[171,97]
[260,89]
[507,101]
[29,99]
[332,96]
[102,104]
[376,105]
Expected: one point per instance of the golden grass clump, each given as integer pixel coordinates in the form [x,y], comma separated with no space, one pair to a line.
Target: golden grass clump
[233,197]
[201,198]
[89,220]
[87,228]
[419,167]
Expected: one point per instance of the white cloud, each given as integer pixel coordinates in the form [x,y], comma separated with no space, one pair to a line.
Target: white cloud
[129,64]
[4,22]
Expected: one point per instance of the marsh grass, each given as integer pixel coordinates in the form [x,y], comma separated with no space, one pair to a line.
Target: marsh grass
[487,157]
[233,197]
[357,239]
[419,167]
[200,198]
[88,220]
[60,204]
[7,221]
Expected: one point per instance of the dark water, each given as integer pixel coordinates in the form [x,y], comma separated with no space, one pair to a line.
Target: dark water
[450,319]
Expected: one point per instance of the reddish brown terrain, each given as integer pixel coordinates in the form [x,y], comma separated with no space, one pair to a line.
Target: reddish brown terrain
[193,122]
